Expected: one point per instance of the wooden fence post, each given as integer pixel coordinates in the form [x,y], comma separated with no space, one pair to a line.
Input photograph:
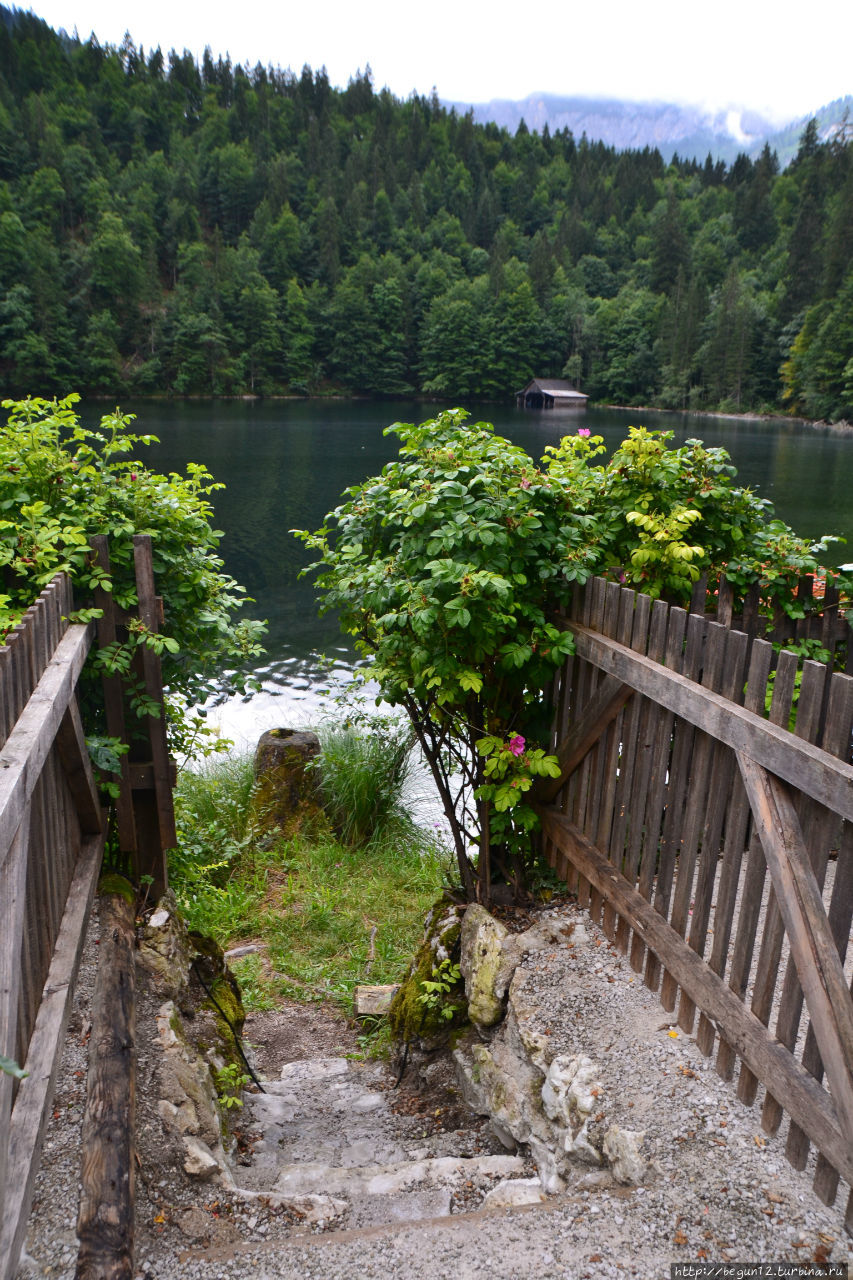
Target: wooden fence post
[114,709]
[153,807]
[145,818]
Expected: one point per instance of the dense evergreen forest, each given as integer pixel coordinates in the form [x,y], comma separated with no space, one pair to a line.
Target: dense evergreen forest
[173,228]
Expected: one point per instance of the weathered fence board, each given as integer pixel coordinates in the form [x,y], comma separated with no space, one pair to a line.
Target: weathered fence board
[33,1104]
[693,757]
[51,843]
[51,846]
[826,779]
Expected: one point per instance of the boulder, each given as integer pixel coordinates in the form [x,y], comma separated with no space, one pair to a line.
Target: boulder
[424,1021]
[199,1160]
[622,1147]
[166,952]
[514,1191]
[285,792]
[554,1104]
[482,939]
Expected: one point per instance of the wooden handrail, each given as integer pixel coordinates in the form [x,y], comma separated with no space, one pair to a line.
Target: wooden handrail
[824,777]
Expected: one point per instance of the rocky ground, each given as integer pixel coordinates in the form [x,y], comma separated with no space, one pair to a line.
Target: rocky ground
[340,1173]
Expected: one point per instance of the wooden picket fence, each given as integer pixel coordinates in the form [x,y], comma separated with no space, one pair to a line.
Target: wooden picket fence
[694,759]
[52,836]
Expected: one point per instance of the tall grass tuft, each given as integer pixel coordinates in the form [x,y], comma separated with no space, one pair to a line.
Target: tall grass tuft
[364,772]
[217,796]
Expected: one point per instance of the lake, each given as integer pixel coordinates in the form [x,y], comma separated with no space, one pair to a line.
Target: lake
[286,463]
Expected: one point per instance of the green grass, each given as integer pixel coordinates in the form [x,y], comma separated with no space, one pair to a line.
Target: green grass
[330,914]
[363,777]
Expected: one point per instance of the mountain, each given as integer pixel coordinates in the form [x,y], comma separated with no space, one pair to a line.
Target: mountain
[835,120]
[689,131]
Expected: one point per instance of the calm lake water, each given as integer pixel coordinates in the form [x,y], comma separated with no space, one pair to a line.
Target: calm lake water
[286,463]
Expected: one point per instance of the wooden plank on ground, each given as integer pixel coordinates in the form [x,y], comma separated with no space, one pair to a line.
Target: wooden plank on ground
[814,771]
[800,1094]
[35,1096]
[812,945]
[105,1222]
[374,1001]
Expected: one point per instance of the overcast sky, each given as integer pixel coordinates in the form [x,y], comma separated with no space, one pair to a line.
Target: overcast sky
[785,57]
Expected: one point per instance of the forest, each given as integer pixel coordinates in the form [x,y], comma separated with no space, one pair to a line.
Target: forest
[170,228]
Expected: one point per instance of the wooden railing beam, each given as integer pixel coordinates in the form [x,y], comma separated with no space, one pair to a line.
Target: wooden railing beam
[23,754]
[824,777]
[815,954]
[798,1091]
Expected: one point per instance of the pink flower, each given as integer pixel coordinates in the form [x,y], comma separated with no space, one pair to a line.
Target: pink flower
[584,431]
[516,745]
[525,484]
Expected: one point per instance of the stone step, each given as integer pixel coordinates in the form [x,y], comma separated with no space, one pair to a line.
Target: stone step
[406,1191]
[403,1192]
[324,1110]
[394,1246]
[327,1143]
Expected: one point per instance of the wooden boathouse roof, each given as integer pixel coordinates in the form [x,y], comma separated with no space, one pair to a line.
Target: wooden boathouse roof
[550,393]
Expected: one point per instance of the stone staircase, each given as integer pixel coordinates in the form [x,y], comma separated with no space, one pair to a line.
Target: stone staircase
[327,1140]
[341,1175]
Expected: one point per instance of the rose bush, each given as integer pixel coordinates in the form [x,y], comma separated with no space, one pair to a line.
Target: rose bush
[449,569]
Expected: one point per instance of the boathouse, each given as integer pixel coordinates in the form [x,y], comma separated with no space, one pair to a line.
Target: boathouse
[550,393]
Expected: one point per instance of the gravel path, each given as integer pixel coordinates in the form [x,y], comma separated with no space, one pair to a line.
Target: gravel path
[720,1190]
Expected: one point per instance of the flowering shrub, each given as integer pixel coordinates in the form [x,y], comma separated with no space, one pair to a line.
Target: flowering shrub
[657,518]
[449,567]
[510,770]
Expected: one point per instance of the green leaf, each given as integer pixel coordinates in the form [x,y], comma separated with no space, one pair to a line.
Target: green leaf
[11,1068]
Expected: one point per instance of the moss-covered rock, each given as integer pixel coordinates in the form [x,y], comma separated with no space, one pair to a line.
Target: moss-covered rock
[285,792]
[165,951]
[432,1023]
[482,939]
[222,999]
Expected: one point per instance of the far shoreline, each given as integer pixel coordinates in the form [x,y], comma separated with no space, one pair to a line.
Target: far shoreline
[842,427]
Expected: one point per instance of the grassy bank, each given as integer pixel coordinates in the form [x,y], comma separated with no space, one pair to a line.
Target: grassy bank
[339,904]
